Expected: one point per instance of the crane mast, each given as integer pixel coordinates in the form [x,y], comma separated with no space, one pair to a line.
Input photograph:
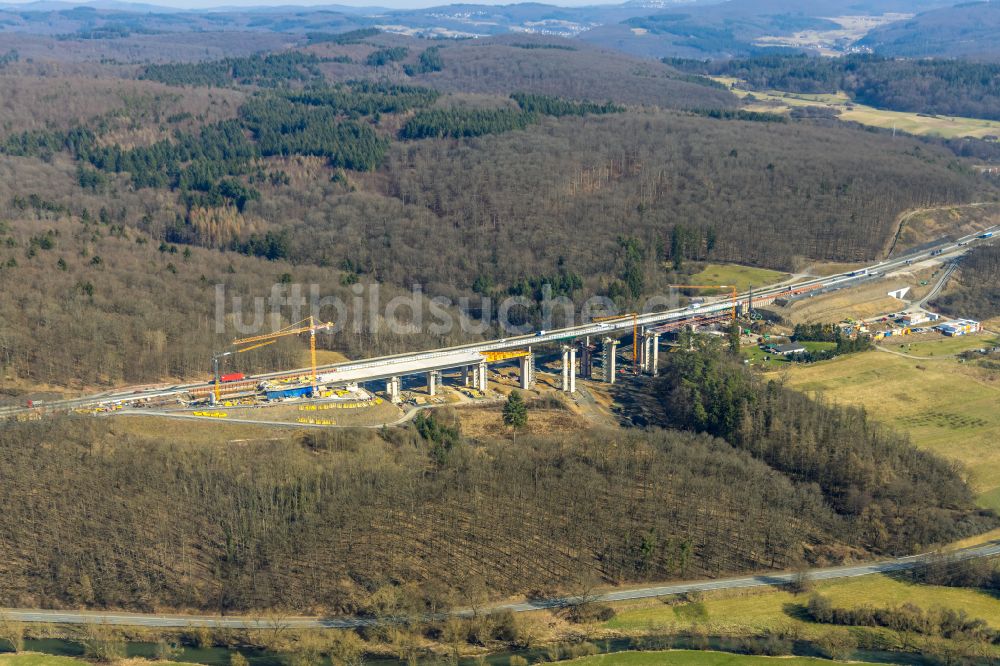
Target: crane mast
[242,345]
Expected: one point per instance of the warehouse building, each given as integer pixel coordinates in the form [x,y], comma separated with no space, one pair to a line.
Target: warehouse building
[960,327]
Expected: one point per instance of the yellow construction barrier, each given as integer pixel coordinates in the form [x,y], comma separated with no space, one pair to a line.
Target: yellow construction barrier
[340,405]
[214,415]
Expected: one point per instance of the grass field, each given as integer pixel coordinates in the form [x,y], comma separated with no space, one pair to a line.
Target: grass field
[943,126]
[754,611]
[37,659]
[940,347]
[695,658]
[742,277]
[946,406]
[759,356]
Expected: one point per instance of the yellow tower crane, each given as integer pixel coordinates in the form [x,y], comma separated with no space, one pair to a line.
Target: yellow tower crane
[307,325]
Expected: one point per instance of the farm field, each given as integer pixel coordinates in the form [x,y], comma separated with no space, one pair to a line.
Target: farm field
[913,123]
[945,405]
[755,611]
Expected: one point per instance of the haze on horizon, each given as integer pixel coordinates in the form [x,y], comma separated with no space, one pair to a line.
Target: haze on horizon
[390,4]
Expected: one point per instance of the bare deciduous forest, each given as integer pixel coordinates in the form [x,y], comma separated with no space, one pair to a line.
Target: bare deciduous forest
[559,197]
[99,303]
[132,185]
[770,193]
[321,521]
[503,65]
[977,293]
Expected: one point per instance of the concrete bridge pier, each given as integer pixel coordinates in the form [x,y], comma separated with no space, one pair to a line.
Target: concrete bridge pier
[572,369]
[643,350]
[650,358]
[433,377]
[565,369]
[610,359]
[392,389]
[480,377]
[569,369]
[654,361]
[527,370]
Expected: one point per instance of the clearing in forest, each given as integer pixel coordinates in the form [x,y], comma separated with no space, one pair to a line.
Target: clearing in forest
[742,277]
[948,127]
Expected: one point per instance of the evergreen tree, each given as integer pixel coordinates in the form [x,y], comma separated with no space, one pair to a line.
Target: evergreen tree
[734,338]
[515,412]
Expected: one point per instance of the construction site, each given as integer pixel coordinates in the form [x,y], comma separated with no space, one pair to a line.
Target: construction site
[598,353]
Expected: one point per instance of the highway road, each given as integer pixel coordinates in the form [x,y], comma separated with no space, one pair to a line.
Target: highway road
[991,549]
[416,362]
[375,368]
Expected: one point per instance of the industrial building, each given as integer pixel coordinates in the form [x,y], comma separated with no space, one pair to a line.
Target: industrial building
[960,327]
[913,318]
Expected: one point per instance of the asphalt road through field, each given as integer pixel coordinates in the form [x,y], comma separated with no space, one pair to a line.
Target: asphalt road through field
[244,622]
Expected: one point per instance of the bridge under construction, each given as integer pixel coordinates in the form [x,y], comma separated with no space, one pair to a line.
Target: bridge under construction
[587,350]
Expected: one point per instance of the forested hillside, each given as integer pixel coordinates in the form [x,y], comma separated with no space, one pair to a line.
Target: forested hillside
[736,27]
[751,192]
[563,68]
[948,87]
[977,292]
[97,517]
[347,513]
[591,171]
[138,189]
[890,493]
[95,302]
[965,30]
